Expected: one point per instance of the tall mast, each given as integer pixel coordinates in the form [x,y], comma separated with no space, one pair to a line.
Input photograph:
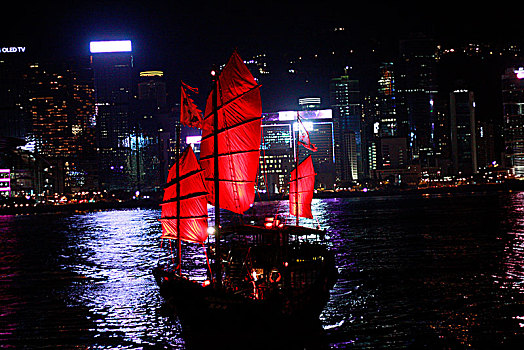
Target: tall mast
[218,265]
[179,250]
[296,174]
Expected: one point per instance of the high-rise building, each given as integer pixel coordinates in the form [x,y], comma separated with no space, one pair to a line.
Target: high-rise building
[152,87]
[60,107]
[276,156]
[387,119]
[113,71]
[513,109]
[463,132]
[370,134]
[13,117]
[345,102]
[152,121]
[279,139]
[416,91]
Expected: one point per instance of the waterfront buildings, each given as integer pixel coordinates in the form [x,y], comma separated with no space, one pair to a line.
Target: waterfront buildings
[106,125]
[513,107]
[48,106]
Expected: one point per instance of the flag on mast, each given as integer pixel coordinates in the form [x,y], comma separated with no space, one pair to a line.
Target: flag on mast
[303,136]
[190,115]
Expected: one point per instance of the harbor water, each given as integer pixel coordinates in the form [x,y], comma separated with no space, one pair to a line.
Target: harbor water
[435,271]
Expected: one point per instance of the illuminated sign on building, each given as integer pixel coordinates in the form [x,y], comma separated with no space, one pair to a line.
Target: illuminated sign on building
[316,114]
[193,139]
[152,73]
[520,73]
[110,46]
[13,49]
[5,180]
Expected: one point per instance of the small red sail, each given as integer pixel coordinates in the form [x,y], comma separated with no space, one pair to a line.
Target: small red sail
[239,110]
[190,115]
[193,204]
[306,184]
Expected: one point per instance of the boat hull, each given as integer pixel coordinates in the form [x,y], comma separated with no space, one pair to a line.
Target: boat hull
[232,320]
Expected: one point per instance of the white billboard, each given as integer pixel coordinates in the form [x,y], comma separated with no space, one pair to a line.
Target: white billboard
[110,46]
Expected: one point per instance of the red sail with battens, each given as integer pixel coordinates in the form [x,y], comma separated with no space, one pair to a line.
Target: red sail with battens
[239,109]
[306,183]
[193,204]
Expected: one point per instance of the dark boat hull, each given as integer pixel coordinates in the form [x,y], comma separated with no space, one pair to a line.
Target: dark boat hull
[214,315]
[189,298]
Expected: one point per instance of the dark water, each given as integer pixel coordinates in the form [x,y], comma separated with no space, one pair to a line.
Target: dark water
[432,272]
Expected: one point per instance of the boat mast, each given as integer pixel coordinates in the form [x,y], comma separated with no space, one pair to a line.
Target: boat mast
[218,265]
[179,250]
[296,173]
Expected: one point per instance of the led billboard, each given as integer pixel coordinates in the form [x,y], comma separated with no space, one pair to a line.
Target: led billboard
[110,46]
[315,114]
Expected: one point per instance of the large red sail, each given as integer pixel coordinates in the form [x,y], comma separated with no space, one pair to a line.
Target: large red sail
[193,204]
[239,110]
[306,184]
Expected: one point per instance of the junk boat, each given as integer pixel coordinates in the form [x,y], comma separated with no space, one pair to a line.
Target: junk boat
[267,275]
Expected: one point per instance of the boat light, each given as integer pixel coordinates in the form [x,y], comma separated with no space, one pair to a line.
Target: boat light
[211,230]
[206,283]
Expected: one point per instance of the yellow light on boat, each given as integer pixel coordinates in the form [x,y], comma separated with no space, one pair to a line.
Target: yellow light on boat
[211,230]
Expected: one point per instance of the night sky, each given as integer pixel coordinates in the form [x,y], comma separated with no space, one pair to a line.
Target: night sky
[184,38]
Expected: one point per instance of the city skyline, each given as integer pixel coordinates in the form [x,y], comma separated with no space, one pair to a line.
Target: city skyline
[185,39]
[409,72]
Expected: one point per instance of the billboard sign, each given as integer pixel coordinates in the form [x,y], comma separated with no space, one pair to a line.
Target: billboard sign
[12,49]
[110,46]
[520,73]
[314,114]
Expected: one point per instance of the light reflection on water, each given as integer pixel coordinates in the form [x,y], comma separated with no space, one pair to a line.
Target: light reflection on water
[119,250]
[438,271]
[514,248]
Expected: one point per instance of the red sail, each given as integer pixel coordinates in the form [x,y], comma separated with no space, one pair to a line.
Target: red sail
[306,184]
[239,125]
[193,204]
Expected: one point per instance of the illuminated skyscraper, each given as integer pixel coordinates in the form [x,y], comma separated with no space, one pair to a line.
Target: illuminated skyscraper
[280,133]
[13,121]
[345,101]
[152,122]
[113,68]
[60,106]
[388,122]
[513,104]
[152,87]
